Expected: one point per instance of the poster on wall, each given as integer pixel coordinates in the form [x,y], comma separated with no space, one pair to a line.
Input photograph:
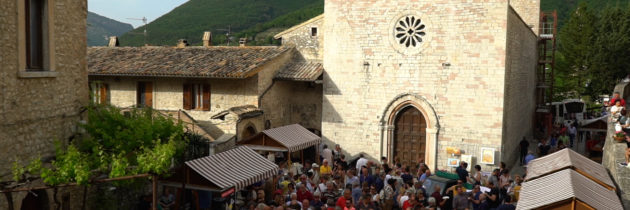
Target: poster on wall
[467,159]
[453,162]
[487,155]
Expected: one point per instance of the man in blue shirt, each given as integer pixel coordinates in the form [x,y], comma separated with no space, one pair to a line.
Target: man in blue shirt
[529,157]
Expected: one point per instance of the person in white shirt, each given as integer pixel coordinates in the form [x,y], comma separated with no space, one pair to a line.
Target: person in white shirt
[361,162]
[572,132]
[294,202]
[327,154]
[615,111]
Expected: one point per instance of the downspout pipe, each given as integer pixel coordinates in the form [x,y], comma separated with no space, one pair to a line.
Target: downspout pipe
[382,137]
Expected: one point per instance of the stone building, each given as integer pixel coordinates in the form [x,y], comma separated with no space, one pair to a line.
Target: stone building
[407,79]
[224,90]
[43,75]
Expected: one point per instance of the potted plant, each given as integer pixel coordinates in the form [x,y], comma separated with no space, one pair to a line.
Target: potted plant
[620,136]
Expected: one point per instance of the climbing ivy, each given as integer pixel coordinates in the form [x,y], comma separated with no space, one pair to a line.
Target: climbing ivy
[116,144]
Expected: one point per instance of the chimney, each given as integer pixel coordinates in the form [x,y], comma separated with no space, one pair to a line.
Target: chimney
[182,43]
[207,39]
[242,42]
[113,41]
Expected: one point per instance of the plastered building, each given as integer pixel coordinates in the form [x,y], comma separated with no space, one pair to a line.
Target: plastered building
[407,79]
[222,91]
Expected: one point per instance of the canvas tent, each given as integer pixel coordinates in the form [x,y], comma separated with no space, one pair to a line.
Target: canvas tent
[231,170]
[290,138]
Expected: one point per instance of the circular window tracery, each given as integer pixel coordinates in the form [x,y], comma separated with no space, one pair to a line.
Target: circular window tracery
[409,31]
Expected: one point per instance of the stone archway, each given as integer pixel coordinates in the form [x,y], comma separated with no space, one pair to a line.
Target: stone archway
[35,200]
[249,131]
[408,106]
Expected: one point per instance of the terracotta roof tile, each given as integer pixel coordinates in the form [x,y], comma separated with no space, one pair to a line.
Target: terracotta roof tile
[301,71]
[212,62]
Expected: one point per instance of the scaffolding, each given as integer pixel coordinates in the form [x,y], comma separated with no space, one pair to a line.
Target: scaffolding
[546,65]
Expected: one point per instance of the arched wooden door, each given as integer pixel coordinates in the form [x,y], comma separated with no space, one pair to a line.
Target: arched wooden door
[409,136]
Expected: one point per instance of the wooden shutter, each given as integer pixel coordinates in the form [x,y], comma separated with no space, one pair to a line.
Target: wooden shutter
[206,97]
[148,94]
[103,93]
[187,96]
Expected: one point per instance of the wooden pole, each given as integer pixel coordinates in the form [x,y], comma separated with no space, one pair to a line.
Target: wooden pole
[9,198]
[302,156]
[74,184]
[184,186]
[317,156]
[154,206]
[289,159]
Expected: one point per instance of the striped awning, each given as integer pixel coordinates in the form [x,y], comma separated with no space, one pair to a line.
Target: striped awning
[293,137]
[238,168]
[568,158]
[565,185]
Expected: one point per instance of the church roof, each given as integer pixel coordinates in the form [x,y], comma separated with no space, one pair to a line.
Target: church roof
[194,62]
[301,71]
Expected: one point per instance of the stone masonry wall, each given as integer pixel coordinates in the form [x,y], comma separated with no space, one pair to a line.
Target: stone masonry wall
[520,89]
[310,47]
[34,112]
[290,102]
[529,11]
[460,71]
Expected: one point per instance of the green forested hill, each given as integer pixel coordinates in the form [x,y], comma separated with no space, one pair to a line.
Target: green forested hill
[260,19]
[100,28]
[189,20]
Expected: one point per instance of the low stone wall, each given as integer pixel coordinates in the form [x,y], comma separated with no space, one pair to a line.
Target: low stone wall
[614,154]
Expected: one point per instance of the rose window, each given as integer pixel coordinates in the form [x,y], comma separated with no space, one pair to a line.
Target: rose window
[409,31]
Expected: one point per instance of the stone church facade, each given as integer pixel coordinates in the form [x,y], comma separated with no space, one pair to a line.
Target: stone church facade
[407,79]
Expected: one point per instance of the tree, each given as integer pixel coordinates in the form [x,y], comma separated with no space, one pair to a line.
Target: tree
[116,144]
[593,51]
[575,44]
[610,51]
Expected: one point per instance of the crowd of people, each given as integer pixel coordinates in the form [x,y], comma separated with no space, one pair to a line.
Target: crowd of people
[340,184]
[621,120]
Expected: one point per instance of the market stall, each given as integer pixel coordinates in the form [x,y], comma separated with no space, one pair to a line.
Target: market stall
[292,139]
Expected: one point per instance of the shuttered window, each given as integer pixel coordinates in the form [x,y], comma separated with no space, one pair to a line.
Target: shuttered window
[145,94]
[100,92]
[197,97]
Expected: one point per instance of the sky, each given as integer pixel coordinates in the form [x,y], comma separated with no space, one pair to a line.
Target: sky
[121,10]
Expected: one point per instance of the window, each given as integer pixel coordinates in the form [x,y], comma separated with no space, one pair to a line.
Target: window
[34,21]
[314,31]
[409,31]
[100,93]
[197,97]
[144,94]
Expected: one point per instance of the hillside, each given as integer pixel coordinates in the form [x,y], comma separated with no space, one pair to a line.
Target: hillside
[99,28]
[189,20]
[261,19]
